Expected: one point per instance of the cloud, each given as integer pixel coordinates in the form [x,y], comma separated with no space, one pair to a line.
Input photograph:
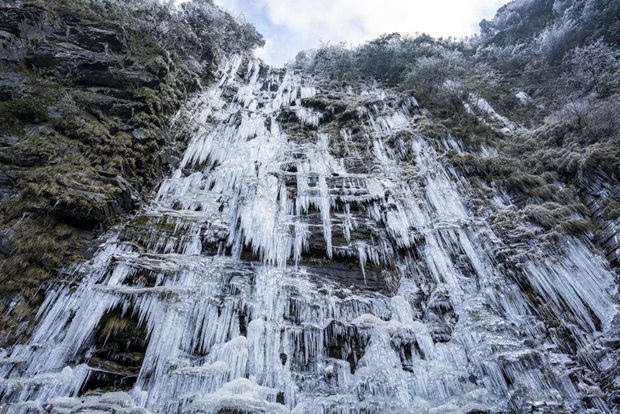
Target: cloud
[292,25]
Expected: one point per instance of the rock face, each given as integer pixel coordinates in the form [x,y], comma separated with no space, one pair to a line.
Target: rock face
[87,98]
[316,252]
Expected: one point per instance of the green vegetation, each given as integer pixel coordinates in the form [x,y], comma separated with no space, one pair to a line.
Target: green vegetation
[32,110]
[41,248]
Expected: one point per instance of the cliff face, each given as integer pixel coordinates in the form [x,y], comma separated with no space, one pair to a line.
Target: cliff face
[87,97]
[321,242]
[316,251]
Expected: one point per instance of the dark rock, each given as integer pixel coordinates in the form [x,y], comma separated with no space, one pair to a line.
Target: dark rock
[138,134]
[349,114]
[346,342]
[6,246]
[23,157]
[67,58]
[235,410]
[118,353]
[9,141]
[11,85]
[90,199]
[5,38]
[12,18]
[170,157]
[99,39]
[348,272]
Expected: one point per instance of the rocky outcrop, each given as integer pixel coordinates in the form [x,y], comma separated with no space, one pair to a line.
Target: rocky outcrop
[87,95]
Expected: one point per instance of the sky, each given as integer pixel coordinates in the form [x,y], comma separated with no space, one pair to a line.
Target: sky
[290,26]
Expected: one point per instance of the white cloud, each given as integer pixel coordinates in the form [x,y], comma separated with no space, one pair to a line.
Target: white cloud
[292,25]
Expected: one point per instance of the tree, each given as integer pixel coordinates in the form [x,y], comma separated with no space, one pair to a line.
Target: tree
[593,68]
[449,75]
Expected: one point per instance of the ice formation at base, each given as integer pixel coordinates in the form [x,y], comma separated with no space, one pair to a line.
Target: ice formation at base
[296,267]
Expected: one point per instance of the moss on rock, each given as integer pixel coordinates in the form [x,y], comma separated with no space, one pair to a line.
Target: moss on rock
[86,124]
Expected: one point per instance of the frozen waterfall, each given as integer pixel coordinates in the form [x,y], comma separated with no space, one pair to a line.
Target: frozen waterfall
[295,265]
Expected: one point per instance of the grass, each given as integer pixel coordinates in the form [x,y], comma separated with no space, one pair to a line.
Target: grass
[43,245]
[116,324]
